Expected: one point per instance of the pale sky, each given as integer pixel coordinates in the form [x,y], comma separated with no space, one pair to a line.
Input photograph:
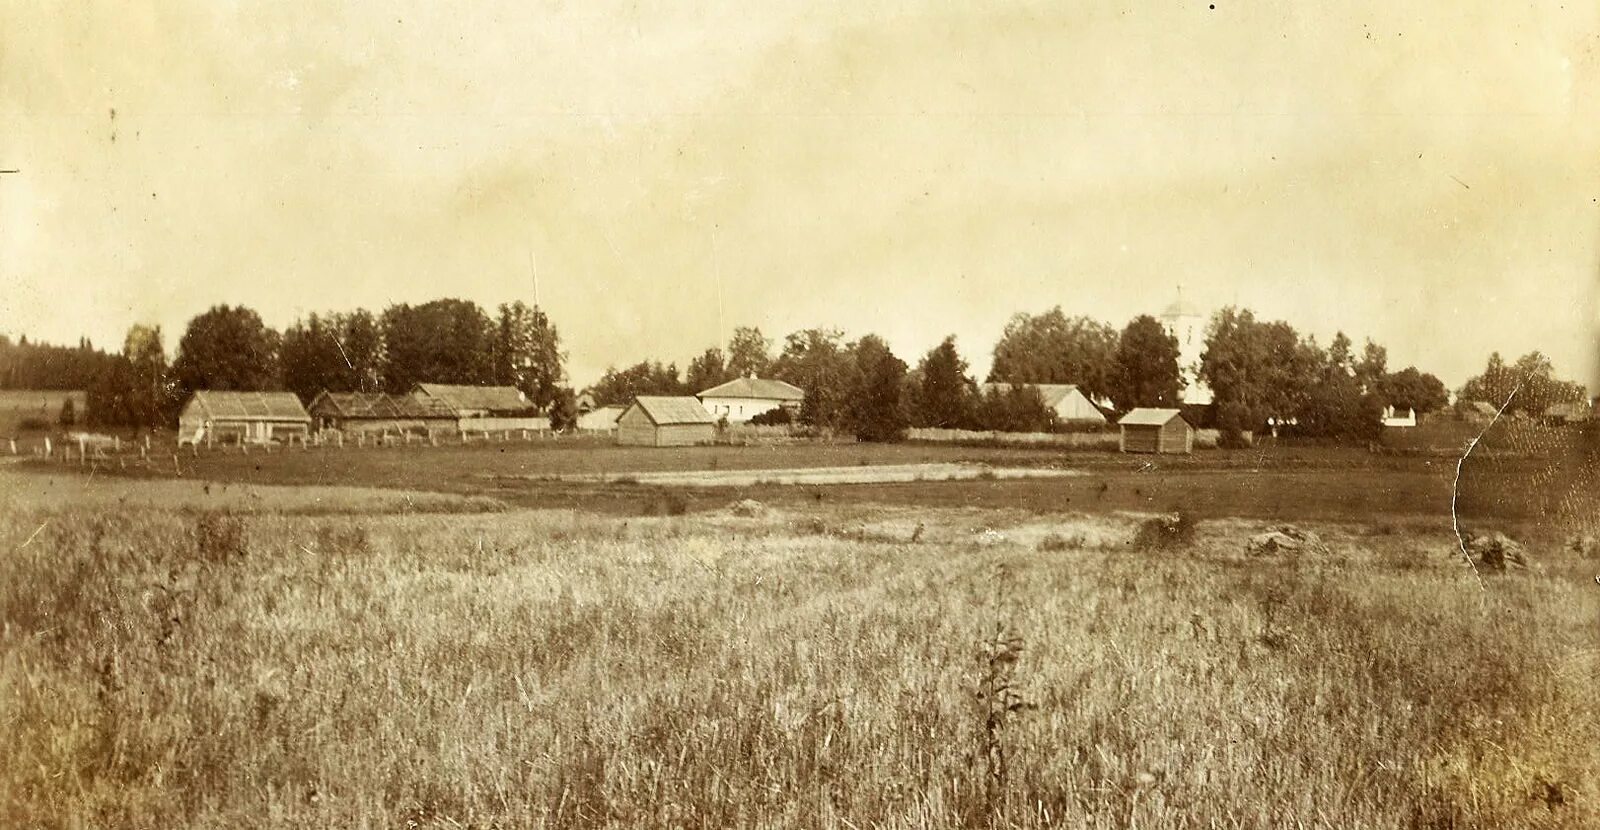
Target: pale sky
[1425,177]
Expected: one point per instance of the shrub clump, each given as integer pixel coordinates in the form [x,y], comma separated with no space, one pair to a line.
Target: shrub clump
[219,537]
[1166,532]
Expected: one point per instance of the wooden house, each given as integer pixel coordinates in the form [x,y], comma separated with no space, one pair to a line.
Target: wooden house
[1066,400]
[741,399]
[599,419]
[1156,431]
[242,417]
[378,412]
[485,408]
[665,422]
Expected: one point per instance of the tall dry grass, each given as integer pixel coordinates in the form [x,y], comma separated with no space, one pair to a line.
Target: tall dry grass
[546,669]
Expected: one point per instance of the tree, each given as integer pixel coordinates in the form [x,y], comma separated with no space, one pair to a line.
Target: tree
[312,358]
[443,341]
[749,353]
[816,361]
[1053,348]
[1147,372]
[226,348]
[527,353]
[1016,409]
[150,398]
[708,370]
[1256,370]
[643,378]
[943,393]
[1494,386]
[1530,385]
[69,412]
[563,410]
[874,411]
[1336,405]
[1417,391]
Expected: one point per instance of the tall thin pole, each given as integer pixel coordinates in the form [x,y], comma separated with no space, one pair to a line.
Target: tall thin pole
[533,271]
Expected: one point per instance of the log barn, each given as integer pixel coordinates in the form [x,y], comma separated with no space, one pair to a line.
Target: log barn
[242,417]
[665,422]
[1156,431]
[378,412]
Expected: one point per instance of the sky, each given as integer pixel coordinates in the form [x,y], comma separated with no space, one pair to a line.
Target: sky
[1427,176]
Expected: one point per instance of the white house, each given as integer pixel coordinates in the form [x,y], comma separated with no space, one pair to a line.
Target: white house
[1066,400]
[600,419]
[1397,418]
[741,399]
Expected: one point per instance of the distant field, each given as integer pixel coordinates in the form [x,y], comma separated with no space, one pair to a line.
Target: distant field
[1558,483]
[837,664]
[20,406]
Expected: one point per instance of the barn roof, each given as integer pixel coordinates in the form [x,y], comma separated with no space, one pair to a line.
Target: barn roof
[379,405]
[492,398]
[1150,417]
[1052,393]
[663,411]
[248,406]
[1483,408]
[757,388]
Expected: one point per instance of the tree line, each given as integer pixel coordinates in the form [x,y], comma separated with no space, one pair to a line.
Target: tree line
[231,348]
[1261,373]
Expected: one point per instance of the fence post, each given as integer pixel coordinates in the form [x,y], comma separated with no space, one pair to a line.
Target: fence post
[13,446]
[175,467]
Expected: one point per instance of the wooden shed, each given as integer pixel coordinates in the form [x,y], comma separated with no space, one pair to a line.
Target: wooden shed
[1157,431]
[242,417]
[665,422]
[378,412]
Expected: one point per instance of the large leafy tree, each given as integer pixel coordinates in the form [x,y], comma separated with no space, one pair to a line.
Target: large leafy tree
[1147,371]
[527,353]
[944,393]
[226,347]
[817,361]
[874,411]
[1017,409]
[313,358]
[1414,390]
[443,341]
[1054,348]
[1256,370]
[749,353]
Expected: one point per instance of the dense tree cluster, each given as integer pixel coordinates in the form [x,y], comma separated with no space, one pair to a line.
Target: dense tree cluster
[1262,374]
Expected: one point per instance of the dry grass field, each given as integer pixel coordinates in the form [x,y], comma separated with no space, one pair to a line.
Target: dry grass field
[294,657]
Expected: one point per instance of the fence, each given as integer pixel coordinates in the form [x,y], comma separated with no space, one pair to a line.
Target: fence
[1068,440]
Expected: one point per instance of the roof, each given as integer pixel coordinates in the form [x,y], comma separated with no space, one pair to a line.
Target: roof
[1150,417]
[663,411]
[1483,408]
[756,388]
[1053,393]
[1572,410]
[494,398]
[248,406]
[379,405]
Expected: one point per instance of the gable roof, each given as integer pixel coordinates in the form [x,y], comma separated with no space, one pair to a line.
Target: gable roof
[756,388]
[1052,393]
[1150,417]
[678,410]
[379,405]
[493,398]
[1483,408]
[219,405]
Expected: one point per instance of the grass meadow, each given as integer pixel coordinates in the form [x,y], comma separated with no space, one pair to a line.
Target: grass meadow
[274,664]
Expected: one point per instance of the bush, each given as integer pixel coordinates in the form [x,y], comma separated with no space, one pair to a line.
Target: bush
[219,537]
[1166,532]
[773,418]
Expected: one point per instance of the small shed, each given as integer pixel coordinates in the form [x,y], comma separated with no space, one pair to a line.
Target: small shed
[665,422]
[1156,431]
[242,417]
[378,412]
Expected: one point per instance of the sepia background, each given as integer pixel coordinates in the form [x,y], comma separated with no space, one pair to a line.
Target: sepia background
[1425,176]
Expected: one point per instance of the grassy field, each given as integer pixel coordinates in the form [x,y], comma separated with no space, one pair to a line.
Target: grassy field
[258,656]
